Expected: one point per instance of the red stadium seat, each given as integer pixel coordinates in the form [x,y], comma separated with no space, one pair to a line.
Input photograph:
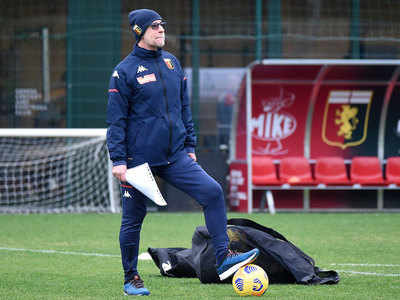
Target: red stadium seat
[296,171]
[366,170]
[264,171]
[331,171]
[393,170]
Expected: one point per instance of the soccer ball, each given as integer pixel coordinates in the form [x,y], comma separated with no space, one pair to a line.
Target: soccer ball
[250,280]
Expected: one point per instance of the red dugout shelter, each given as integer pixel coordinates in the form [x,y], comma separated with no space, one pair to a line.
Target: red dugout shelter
[292,113]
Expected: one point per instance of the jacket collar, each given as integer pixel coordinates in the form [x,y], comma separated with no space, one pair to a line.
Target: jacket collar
[144,53]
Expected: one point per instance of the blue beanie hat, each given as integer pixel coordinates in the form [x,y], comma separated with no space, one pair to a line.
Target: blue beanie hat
[140,19]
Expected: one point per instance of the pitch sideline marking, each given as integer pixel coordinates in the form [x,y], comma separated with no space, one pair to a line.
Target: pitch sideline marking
[113,255]
[143,256]
[368,273]
[59,252]
[367,265]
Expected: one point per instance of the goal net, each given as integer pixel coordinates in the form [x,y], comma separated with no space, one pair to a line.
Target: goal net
[55,170]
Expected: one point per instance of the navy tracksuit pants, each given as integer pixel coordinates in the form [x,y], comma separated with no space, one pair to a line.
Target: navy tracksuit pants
[186,175]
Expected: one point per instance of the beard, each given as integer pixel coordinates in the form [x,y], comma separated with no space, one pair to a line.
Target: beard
[159,43]
[151,43]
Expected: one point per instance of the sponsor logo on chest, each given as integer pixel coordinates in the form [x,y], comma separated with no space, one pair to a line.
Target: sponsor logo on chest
[146,78]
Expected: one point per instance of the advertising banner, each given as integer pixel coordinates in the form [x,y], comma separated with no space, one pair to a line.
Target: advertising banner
[280,102]
[279,119]
[238,186]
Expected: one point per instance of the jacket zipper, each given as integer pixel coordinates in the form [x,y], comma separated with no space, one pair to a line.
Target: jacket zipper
[166,106]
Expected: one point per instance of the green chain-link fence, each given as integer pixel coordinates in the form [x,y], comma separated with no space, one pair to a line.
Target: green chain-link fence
[56,56]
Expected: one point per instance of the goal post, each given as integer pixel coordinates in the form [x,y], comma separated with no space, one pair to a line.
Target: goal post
[55,170]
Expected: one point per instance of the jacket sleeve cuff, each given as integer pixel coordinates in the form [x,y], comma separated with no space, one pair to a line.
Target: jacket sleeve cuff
[119,163]
[190,149]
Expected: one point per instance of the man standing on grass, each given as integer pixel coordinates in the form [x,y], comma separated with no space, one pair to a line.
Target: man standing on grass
[149,120]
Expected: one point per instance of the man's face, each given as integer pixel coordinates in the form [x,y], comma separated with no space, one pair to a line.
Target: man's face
[154,36]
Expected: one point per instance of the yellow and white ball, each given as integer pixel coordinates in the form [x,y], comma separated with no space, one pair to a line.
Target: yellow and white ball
[250,280]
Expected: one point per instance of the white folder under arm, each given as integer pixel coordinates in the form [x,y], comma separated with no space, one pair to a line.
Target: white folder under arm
[141,178]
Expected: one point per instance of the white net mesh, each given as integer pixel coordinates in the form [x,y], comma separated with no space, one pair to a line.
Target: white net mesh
[54,174]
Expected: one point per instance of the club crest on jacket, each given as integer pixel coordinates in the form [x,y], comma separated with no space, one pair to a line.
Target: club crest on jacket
[169,64]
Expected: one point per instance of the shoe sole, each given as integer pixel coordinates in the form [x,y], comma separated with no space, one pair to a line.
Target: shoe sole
[136,294]
[236,267]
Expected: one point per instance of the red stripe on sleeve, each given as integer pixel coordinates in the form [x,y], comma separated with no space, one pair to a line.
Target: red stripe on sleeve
[113,90]
[126,186]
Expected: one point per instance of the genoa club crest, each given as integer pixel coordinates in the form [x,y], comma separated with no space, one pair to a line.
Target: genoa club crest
[169,64]
[137,29]
[346,118]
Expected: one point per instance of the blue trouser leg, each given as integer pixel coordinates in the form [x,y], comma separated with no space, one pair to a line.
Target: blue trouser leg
[188,176]
[133,213]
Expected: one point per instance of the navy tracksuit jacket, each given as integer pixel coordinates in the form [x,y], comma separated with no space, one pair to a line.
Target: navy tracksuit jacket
[149,120]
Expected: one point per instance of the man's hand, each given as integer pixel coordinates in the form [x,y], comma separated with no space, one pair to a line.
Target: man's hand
[119,172]
[192,156]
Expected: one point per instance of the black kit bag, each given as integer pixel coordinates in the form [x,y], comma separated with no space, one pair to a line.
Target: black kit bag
[281,259]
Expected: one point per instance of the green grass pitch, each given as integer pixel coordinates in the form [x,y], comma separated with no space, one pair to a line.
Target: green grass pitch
[369,242]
